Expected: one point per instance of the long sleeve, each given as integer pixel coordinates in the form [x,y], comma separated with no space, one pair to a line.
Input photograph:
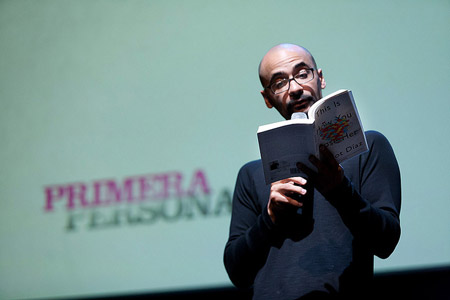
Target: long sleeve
[373,214]
[251,231]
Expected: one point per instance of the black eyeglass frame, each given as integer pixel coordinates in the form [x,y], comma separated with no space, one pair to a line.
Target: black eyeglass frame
[289,82]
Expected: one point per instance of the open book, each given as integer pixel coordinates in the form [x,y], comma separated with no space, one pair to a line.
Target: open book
[332,121]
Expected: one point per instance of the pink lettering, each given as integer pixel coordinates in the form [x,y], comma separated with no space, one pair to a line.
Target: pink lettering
[108,191]
[76,191]
[199,181]
[52,194]
[144,188]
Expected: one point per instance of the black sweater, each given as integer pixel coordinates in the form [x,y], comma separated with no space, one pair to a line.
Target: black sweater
[327,251]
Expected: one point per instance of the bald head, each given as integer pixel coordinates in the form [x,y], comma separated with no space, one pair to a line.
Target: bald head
[282,64]
[279,54]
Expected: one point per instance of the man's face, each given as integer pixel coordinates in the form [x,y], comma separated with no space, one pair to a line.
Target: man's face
[284,62]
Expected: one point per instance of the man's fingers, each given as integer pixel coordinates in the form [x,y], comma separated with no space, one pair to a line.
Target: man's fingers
[297,180]
[284,192]
[291,188]
[310,173]
[281,199]
[328,157]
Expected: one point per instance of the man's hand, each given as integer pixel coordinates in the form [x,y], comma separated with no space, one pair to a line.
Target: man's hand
[329,173]
[281,196]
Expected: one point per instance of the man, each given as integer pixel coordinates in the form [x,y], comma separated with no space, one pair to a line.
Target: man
[350,212]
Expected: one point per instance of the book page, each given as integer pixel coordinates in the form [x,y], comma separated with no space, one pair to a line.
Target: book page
[338,126]
[320,106]
[281,148]
[271,126]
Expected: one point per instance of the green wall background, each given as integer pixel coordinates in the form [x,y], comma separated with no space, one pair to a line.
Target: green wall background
[108,89]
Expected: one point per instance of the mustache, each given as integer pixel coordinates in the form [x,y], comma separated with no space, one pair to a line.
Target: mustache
[304,101]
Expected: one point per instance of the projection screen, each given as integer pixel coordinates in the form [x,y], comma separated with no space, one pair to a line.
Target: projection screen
[124,124]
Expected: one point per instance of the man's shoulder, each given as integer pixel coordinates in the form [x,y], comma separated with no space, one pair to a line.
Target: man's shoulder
[252,172]
[378,146]
[376,138]
[374,135]
[252,167]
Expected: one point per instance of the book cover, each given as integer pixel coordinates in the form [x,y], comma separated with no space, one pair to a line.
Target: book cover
[332,121]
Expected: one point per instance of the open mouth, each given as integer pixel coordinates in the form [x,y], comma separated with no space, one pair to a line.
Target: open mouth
[301,105]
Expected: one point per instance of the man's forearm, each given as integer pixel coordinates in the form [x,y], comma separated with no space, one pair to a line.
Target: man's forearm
[245,254]
[377,226]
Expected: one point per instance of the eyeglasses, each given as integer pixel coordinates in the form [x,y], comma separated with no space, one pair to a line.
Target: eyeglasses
[282,85]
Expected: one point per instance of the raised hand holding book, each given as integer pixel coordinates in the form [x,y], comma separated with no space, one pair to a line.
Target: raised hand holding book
[332,121]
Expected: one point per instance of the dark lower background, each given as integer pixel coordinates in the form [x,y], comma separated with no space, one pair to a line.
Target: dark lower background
[429,283]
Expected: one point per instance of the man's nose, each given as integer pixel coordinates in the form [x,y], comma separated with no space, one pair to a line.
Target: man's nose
[294,87]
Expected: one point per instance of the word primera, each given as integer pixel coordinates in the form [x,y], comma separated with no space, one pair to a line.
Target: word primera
[133,189]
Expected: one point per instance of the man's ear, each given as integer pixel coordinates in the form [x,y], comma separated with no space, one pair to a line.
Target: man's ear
[266,99]
[323,84]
